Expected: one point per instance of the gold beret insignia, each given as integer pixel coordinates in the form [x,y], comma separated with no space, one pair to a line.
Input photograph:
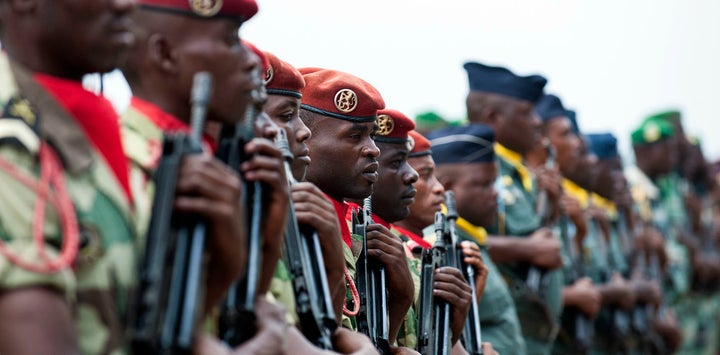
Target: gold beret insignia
[385,125]
[346,100]
[651,133]
[206,8]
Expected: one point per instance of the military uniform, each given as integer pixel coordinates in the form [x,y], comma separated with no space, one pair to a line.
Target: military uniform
[539,314]
[97,281]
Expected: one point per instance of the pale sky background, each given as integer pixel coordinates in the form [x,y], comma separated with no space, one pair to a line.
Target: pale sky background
[614,61]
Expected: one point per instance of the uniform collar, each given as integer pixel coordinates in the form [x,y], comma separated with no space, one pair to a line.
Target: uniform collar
[576,191]
[478,234]
[515,160]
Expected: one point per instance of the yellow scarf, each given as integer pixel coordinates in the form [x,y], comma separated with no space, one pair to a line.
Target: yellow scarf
[515,159]
[607,205]
[577,192]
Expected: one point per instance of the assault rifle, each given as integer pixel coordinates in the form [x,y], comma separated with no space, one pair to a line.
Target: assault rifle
[236,323]
[304,258]
[169,297]
[544,210]
[372,319]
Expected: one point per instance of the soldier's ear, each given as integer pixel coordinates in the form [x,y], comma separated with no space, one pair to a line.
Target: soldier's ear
[161,53]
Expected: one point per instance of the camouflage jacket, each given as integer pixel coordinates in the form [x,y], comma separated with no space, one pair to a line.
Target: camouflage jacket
[97,285]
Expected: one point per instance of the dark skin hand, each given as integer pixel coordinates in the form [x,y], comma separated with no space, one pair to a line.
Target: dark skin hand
[474,258]
[312,208]
[269,339]
[345,340]
[267,166]
[646,291]
[450,286]
[618,292]
[550,181]
[669,330]
[540,249]
[388,249]
[206,187]
[584,296]
[571,207]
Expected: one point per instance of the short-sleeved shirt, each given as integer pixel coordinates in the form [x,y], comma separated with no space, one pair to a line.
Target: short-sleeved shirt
[97,285]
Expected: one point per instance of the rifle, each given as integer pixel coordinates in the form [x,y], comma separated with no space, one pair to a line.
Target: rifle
[434,315]
[304,258]
[372,318]
[471,336]
[170,292]
[535,275]
[236,323]
[583,327]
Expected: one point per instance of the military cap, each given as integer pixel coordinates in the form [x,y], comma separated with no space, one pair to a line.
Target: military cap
[264,61]
[603,145]
[549,106]
[671,116]
[420,145]
[572,116]
[652,130]
[473,143]
[499,80]
[282,78]
[340,95]
[237,9]
[431,120]
[393,126]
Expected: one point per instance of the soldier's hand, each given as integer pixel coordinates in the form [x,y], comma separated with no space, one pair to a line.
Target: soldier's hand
[401,350]
[550,181]
[349,342]
[647,291]
[544,249]
[450,286]
[618,292]
[314,209]
[388,249]
[271,330]
[206,187]
[669,330]
[487,349]
[584,296]
[473,257]
[267,166]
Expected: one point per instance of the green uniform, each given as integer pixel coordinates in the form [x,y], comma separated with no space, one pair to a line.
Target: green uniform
[97,285]
[539,314]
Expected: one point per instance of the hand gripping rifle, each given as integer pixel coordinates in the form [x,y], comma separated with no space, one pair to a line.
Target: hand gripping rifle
[237,314]
[434,314]
[372,319]
[304,258]
[170,292]
[544,210]
[583,327]
[471,336]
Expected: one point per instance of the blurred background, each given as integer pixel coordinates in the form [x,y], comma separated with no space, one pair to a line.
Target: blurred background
[614,61]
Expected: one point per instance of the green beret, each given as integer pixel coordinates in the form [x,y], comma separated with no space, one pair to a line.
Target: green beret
[671,116]
[651,130]
[430,120]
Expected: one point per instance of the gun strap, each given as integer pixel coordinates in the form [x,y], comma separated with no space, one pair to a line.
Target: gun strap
[354,294]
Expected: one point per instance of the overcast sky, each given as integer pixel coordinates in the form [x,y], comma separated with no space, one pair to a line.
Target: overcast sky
[614,61]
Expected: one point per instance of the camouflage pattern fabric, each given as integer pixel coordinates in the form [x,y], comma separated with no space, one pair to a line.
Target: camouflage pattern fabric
[97,286]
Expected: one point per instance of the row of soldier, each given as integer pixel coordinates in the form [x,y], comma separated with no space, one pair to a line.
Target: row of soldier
[565,251]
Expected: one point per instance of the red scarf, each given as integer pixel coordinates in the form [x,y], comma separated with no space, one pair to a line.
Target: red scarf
[341,210]
[165,121]
[98,120]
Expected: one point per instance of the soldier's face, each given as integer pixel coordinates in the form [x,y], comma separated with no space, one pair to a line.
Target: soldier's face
[394,192]
[214,46]
[285,112]
[566,144]
[519,126]
[475,193]
[344,158]
[84,36]
[430,192]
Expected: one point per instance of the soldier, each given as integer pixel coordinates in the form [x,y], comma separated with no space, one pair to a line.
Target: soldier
[524,247]
[466,165]
[579,294]
[341,111]
[284,84]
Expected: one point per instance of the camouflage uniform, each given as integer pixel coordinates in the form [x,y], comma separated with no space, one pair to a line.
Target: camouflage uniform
[539,315]
[97,285]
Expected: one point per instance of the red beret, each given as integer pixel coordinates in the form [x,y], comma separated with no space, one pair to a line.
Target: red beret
[243,9]
[282,78]
[340,95]
[264,61]
[421,145]
[393,126]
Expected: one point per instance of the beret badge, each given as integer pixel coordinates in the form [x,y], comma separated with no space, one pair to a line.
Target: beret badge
[385,125]
[206,8]
[346,100]
[410,143]
[269,74]
[651,133]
